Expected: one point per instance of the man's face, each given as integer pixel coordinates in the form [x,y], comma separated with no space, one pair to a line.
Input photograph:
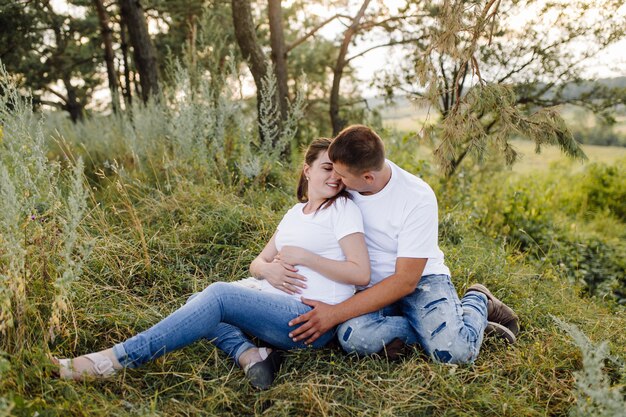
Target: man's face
[350,180]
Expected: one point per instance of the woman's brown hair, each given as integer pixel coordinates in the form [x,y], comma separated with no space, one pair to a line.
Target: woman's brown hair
[313,152]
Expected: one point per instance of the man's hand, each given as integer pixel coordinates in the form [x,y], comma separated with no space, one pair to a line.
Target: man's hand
[284,276]
[315,323]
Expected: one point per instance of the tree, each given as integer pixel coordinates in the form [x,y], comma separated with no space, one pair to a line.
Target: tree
[491,80]
[340,64]
[284,47]
[55,58]
[109,57]
[143,49]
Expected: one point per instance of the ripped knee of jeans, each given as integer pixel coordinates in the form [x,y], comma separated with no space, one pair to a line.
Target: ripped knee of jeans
[353,342]
[458,355]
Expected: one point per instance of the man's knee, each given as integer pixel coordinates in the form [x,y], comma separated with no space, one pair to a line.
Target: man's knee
[459,352]
[354,338]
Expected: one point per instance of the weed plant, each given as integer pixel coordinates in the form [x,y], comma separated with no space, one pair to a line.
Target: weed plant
[596,396]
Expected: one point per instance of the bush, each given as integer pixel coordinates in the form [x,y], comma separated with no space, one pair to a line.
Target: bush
[41,209]
[552,217]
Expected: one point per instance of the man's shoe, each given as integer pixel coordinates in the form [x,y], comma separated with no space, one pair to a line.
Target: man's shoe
[394,350]
[497,311]
[500,331]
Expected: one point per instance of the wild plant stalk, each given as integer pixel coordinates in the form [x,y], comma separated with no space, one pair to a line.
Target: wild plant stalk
[595,395]
[12,285]
[276,135]
[74,249]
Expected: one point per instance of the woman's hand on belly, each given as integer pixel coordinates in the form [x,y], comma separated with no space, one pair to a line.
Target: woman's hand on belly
[284,277]
[294,255]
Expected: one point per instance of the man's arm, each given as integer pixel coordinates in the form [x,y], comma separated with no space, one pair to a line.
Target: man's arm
[324,317]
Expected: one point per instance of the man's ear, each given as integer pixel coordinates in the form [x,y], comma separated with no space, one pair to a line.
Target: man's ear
[369,177]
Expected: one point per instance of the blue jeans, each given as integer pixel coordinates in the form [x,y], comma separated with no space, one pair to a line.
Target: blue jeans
[449,330]
[222,312]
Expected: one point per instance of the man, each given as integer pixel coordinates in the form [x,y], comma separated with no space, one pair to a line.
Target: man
[411,299]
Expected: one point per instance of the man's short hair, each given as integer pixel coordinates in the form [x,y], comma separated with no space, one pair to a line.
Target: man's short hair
[359,148]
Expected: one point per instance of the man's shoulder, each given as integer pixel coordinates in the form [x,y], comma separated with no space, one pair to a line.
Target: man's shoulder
[410,185]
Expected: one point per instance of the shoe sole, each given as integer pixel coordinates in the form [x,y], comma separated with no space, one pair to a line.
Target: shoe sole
[497,330]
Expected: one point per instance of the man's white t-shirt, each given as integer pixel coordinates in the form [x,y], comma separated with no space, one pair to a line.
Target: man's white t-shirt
[319,233]
[401,220]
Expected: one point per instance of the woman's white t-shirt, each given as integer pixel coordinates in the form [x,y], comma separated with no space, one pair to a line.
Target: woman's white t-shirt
[318,232]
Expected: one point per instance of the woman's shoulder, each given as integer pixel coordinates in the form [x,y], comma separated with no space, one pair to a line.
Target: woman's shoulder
[344,204]
[294,212]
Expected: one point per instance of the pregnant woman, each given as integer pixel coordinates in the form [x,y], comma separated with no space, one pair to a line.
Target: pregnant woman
[318,252]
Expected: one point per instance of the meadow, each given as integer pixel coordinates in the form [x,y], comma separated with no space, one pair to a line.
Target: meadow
[109,225]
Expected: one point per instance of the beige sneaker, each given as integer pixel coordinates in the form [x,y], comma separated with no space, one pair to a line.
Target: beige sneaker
[497,311]
[91,366]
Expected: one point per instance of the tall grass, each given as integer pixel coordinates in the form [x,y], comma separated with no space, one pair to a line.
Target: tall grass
[201,130]
[41,208]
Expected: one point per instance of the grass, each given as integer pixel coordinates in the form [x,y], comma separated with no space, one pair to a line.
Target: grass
[159,232]
[199,234]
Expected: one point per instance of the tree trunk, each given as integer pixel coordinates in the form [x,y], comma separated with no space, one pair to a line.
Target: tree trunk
[72,105]
[105,28]
[250,48]
[248,43]
[143,49]
[340,64]
[279,54]
[128,97]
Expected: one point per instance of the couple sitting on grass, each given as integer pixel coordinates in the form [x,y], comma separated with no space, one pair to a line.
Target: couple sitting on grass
[356,259]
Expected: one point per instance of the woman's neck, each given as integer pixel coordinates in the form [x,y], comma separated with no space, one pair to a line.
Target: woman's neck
[313,205]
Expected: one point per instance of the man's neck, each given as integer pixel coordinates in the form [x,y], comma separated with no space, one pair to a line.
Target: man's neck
[381,180]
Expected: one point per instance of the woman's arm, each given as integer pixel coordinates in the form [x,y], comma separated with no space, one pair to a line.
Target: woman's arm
[354,270]
[280,275]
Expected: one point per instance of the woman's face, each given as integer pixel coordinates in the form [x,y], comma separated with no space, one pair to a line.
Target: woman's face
[322,185]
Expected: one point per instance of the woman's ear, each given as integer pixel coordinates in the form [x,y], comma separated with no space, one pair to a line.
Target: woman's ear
[305,170]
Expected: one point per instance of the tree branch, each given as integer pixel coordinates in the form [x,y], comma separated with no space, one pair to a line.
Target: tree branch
[370,24]
[52,104]
[391,43]
[312,32]
[56,93]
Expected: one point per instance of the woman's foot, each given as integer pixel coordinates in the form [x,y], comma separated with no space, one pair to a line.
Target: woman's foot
[95,365]
[261,366]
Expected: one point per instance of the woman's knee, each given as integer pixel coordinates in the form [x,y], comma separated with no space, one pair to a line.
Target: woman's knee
[215,289]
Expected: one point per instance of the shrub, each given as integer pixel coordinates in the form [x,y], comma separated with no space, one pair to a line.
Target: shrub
[552,218]
[41,208]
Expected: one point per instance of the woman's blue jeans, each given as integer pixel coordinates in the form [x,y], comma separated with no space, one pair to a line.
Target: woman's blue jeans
[222,313]
[448,329]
